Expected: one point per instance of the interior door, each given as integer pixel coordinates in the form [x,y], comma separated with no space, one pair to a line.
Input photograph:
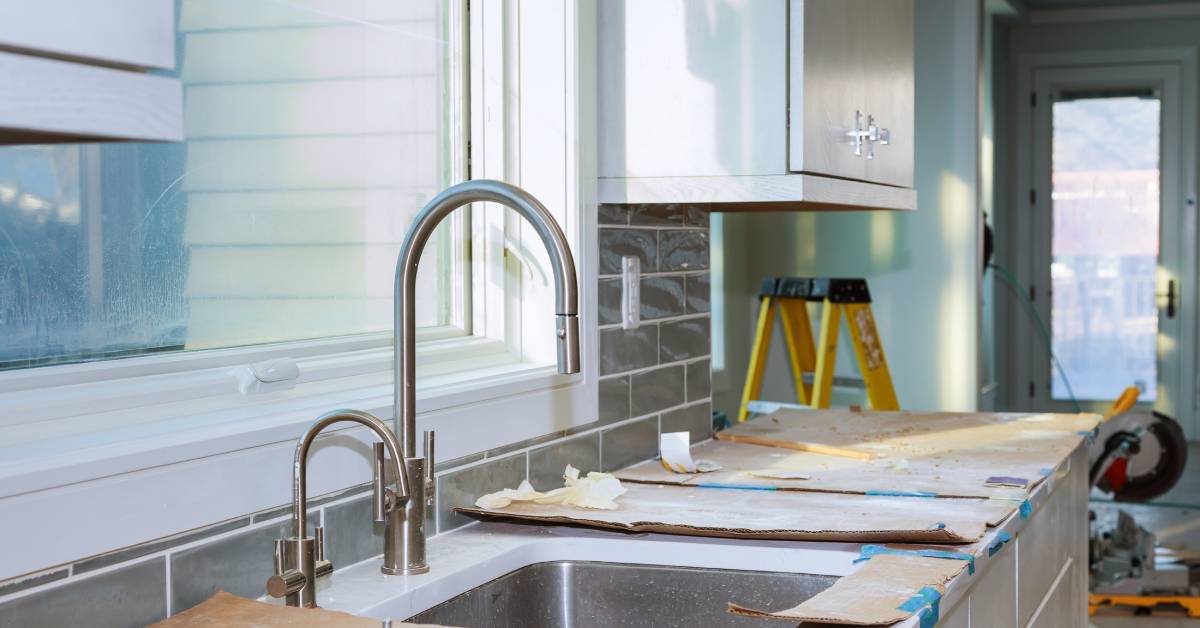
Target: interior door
[1108,239]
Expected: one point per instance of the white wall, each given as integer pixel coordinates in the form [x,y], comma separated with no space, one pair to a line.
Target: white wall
[923,266]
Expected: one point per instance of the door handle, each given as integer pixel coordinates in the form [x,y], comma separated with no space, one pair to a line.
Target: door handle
[1170,295]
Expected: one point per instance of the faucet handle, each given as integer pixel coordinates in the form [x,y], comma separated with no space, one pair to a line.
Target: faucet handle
[284,584]
[285,581]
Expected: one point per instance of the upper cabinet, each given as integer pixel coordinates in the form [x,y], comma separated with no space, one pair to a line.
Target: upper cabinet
[762,104]
[79,70]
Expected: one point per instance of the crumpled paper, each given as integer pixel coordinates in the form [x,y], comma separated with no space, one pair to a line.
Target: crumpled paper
[595,490]
[674,449]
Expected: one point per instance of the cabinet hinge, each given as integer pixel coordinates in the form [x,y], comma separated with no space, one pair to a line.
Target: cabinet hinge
[468,160]
[1032,196]
[1032,99]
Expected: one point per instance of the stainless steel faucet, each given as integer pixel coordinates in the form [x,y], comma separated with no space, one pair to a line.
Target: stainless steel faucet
[300,559]
[411,533]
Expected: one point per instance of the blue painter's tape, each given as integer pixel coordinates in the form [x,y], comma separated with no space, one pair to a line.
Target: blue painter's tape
[1045,472]
[874,550]
[902,493]
[925,602]
[739,487]
[1026,509]
[998,544]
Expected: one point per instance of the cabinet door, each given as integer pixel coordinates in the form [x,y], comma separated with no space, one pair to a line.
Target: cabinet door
[827,59]
[886,31]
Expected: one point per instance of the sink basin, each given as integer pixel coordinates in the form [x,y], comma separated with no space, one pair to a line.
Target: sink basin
[575,594]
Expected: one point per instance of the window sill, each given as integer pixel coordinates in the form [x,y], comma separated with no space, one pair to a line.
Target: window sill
[96,430]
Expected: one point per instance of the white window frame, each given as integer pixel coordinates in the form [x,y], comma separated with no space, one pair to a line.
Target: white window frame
[186,435]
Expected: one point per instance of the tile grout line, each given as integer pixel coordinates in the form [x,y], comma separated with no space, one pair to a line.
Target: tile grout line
[646,369]
[658,321]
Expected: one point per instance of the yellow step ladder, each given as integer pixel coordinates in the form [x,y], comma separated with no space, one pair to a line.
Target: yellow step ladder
[788,297]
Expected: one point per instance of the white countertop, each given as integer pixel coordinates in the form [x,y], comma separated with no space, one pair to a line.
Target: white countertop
[481,552]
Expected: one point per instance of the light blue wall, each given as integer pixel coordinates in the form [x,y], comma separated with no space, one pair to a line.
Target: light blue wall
[922,266]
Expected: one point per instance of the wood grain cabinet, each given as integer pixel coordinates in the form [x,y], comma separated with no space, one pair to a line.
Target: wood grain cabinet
[79,70]
[776,104]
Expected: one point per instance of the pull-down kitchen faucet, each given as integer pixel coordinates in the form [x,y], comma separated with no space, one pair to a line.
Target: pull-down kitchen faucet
[300,560]
[566,300]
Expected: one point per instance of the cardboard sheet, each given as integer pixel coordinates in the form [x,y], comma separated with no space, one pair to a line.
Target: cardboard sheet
[947,454]
[884,590]
[788,515]
[225,610]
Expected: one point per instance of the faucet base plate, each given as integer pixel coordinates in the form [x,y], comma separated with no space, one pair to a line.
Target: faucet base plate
[399,571]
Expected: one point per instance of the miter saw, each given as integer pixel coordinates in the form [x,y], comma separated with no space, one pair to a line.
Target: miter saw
[1135,457]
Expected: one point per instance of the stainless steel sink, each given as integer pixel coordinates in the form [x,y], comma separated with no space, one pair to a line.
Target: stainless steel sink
[576,594]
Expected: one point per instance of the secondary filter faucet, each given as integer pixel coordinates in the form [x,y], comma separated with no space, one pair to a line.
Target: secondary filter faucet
[300,559]
[411,533]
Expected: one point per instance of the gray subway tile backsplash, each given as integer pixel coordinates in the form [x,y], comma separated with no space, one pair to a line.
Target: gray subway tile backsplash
[608,301]
[698,291]
[614,399]
[699,380]
[658,215]
[661,297]
[684,339]
[546,464]
[697,420]
[628,444]
[651,391]
[624,350]
[612,215]
[145,549]
[129,586]
[617,243]
[130,596]
[461,488]
[683,249]
[239,564]
[33,580]
[351,533]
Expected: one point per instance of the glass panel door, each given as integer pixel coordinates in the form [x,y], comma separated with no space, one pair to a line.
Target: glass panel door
[1105,203]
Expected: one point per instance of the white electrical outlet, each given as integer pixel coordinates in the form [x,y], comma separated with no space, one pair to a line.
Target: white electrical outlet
[631,291]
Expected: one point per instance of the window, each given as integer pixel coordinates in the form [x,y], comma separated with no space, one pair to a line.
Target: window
[311,141]
[1105,242]
[134,278]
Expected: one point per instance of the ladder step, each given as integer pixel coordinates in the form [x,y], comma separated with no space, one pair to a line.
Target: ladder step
[839,381]
[836,289]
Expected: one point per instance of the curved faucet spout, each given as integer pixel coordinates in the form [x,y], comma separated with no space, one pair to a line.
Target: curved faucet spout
[300,467]
[565,288]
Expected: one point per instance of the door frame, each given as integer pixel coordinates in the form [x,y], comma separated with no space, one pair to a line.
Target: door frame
[1032,198]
